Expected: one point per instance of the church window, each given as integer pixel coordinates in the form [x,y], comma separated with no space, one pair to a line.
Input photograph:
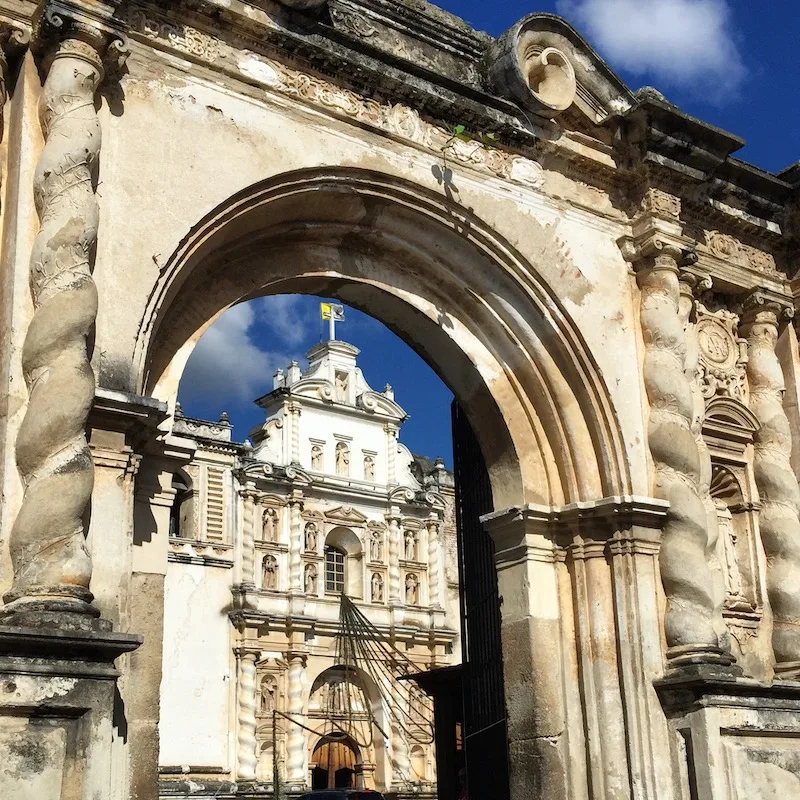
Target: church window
[334,570]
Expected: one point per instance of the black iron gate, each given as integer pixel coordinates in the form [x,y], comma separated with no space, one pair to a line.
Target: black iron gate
[485,730]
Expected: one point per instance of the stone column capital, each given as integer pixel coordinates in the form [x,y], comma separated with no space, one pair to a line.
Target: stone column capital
[81,30]
[765,308]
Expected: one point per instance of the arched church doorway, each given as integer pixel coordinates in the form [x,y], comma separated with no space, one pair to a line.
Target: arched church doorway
[336,757]
[472,307]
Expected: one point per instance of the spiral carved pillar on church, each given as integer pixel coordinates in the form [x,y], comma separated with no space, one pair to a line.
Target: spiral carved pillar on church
[296,542]
[690,285]
[401,763]
[395,534]
[246,756]
[434,569]
[52,567]
[391,454]
[248,495]
[691,623]
[295,740]
[294,413]
[775,479]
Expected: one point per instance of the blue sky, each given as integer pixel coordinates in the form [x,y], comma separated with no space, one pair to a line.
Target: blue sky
[733,63]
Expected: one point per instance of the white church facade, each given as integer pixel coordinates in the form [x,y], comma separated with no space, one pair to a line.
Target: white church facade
[266,536]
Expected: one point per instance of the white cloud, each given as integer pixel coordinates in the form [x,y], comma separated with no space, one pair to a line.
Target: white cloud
[227,365]
[684,43]
[289,316]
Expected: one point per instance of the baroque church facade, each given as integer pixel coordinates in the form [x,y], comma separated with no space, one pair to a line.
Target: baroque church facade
[607,289]
[322,500]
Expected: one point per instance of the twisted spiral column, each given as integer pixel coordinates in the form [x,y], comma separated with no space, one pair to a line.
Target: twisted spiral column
[246,757]
[296,545]
[296,740]
[776,482]
[434,572]
[394,558]
[690,627]
[52,567]
[401,764]
[248,536]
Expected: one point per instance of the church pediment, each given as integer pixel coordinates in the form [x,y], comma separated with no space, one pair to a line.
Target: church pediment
[345,514]
[543,65]
[376,403]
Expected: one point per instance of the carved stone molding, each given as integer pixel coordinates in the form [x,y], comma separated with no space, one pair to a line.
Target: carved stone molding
[729,248]
[775,479]
[722,354]
[52,567]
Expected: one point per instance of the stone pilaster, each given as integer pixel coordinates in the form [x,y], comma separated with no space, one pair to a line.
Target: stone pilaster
[394,535]
[693,619]
[246,756]
[296,542]
[248,495]
[432,525]
[391,454]
[295,736]
[294,410]
[775,479]
[51,563]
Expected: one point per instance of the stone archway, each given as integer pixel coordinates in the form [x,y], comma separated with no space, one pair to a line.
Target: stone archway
[482,317]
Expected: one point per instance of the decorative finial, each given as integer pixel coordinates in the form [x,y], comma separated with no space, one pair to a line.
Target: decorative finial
[178,410]
[224,419]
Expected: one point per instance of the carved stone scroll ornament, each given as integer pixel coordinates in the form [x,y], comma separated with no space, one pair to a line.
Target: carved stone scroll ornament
[690,621]
[777,485]
[52,567]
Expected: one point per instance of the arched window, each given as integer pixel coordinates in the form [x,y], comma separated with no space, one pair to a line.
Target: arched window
[334,570]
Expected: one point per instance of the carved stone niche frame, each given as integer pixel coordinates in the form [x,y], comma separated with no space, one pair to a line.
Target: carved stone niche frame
[729,429]
[722,354]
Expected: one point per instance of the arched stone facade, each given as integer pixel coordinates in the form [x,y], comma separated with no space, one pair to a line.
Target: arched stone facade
[612,312]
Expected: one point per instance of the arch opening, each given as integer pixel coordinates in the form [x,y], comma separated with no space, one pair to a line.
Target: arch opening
[437,276]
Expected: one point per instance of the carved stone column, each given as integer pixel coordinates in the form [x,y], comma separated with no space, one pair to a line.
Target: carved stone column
[775,479]
[246,756]
[691,284]
[294,412]
[295,738]
[391,454]
[394,534]
[434,572]
[248,496]
[296,542]
[691,620]
[401,763]
[52,567]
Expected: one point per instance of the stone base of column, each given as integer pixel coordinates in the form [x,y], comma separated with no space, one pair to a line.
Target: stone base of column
[734,737]
[58,710]
[699,659]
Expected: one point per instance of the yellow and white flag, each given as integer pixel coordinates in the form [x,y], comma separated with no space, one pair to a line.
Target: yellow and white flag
[332,311]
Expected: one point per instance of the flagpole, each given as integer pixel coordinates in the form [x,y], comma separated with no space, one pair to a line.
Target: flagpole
[332,326]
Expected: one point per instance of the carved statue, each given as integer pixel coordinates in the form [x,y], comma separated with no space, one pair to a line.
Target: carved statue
[342,459]
[369,468]
[376,546]
[411,546]
[268,692]
[311,537]
[341,387]
[377,588]
[269,528]
[269,573]
[311,579]
[316,457]
[412,589]
[733,578]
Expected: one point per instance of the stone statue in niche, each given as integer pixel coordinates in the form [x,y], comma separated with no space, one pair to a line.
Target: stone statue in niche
[377,588]
[341,387]
[268,693]
[269,573]
[311,579]
[369,468]
[412,589]
[269,525]
[376,546]
[342,459]
[733,579]
[316,457]
[411,546]
[311,537]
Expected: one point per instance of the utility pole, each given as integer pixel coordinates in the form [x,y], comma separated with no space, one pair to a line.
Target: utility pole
[276,789]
